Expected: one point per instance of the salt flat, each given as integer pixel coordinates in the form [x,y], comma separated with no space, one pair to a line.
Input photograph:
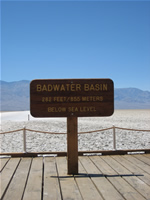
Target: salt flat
[132,119]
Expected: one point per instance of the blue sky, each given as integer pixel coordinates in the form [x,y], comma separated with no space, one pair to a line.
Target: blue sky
[76,39]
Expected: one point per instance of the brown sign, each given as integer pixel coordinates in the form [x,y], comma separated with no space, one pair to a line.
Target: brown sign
[71,97]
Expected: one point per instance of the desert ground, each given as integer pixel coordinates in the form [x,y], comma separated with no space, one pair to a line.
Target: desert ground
[100,140]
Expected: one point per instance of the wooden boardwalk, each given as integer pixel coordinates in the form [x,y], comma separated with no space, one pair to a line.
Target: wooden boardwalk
[113,177]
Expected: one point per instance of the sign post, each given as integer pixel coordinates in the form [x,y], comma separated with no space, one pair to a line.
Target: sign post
[71,98]
[72,145]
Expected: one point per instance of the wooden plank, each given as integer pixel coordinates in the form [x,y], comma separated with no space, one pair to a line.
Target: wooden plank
[147,155]
[34,184]
[72,145]
[17,185]
[80,153]
[127,164]
[105,188]
[115,165]
[68,186]
[136,181]
[118,181]
[3,162]
[86,186]
[133,169]
[138,163]
[17,154]
[7,174]
[103,166]
[51,183]
[124,188]
[139,185]
[144,159]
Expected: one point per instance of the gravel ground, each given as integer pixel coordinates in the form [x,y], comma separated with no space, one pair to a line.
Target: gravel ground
[102,140]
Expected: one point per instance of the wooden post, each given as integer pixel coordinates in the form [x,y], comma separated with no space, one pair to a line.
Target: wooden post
[114,138]
[24,139]
[72,145]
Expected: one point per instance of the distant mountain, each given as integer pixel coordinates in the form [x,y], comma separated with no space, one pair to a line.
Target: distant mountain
[15,97]
[132,98]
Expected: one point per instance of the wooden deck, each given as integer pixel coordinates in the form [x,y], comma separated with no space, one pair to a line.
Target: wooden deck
[112,177]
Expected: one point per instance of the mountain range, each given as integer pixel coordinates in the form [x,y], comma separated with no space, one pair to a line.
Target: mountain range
[15,97]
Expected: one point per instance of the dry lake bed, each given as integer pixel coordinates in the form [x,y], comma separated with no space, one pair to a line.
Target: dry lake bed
[101,140]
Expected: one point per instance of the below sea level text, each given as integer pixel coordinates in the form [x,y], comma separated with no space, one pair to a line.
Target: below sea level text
[71,109]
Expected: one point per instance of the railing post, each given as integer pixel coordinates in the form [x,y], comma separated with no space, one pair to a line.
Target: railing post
[24,139]
[114,138]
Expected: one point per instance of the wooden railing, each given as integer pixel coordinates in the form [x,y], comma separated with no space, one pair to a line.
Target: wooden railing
[24,130]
